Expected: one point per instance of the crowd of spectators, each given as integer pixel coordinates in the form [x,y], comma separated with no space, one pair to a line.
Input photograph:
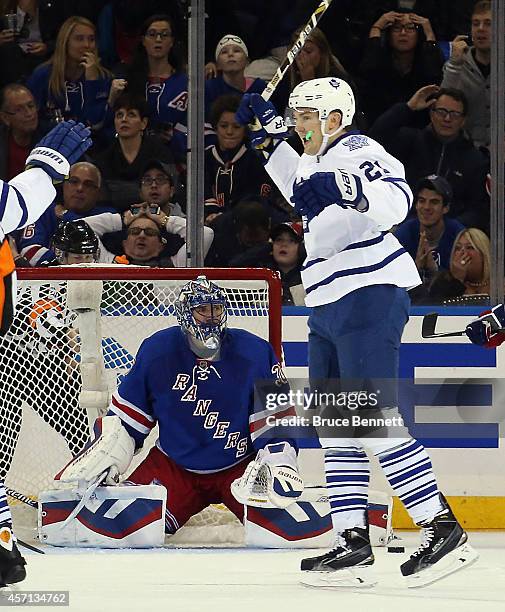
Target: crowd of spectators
[420,71]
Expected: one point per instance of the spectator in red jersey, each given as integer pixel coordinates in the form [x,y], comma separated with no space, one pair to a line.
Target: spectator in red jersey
[19,130]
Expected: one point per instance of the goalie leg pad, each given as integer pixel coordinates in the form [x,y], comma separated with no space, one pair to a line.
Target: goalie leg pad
[111,450]
[114,517]
[307,523]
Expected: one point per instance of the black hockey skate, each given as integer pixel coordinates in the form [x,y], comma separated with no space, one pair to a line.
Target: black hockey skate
[12,564]
[348,565]
[443,550]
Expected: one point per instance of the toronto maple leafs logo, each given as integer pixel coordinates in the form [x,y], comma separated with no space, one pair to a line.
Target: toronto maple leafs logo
[356,141]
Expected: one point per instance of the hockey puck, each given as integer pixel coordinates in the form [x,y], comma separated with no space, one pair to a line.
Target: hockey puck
[396,549]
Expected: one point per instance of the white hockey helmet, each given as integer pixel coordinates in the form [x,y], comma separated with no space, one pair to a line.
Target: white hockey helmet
[325,95]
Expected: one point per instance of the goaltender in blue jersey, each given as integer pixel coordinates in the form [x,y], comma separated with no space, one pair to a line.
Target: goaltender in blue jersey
[350,192]
[206,388]
[204,409]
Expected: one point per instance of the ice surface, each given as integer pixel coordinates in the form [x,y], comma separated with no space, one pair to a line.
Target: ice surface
[244,580]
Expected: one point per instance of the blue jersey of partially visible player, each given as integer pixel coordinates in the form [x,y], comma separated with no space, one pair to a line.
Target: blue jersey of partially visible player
[205,409]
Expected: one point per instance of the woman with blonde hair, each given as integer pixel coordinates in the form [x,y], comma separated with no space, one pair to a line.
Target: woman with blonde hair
[467,280]
[72,84]
[471,261]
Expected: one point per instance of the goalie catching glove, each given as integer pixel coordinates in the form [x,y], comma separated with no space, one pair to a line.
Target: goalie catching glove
[271,480]
[110,451]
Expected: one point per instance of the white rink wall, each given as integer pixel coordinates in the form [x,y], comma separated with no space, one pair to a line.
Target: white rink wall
[461,471]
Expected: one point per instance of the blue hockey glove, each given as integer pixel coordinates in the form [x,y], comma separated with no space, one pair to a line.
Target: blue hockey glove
[489,329]
[306,200]
[266,124]
[320,190]
[59,149]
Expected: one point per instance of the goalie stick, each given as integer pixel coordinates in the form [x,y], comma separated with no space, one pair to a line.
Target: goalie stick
[430,323]
[295,49]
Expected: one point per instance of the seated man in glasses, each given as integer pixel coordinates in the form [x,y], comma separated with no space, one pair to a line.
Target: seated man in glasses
[440,148]
[19,128]
[157,186]
[81,194]
[147,237]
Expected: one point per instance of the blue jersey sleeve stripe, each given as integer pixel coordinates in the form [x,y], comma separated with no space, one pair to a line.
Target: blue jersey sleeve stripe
[397,182]
[3,200]
[354,245]
[22,205]
[313,262]
[353,271]
[366,243]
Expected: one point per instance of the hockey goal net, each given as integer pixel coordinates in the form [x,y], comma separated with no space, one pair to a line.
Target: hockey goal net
[75,335]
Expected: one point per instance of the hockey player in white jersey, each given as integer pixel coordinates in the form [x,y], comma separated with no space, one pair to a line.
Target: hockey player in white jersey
[350,192]
[22,200]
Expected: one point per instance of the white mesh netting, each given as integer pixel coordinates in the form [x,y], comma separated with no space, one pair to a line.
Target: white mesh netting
[44,404]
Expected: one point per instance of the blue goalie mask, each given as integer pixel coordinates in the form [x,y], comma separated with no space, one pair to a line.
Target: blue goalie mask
[201,311]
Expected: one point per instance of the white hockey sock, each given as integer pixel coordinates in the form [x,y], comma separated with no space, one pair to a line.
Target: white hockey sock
[5,513]
[347,472]
[410,473]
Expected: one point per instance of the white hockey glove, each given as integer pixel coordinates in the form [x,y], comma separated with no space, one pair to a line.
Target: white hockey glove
[271,480]
[111,451]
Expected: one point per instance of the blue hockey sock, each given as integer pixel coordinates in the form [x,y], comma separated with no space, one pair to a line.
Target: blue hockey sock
[347,472]
[410,473]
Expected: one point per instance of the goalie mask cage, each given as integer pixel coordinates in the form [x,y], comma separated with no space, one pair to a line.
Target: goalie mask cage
[75,334]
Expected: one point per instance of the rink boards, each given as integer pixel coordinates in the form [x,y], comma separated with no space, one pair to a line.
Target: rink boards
[463,430]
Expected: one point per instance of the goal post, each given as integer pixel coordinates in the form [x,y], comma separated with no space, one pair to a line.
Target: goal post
[75,335]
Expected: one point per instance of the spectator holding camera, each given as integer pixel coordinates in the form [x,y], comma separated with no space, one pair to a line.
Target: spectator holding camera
[72,84]
[24,39]
[401,55]
[440,148]
[469,69]
[157,186]
[430,236]
[123,162]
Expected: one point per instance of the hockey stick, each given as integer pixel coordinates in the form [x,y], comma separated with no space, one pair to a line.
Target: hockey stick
[29,502]
[430,323]
[22,498]
[295,49]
